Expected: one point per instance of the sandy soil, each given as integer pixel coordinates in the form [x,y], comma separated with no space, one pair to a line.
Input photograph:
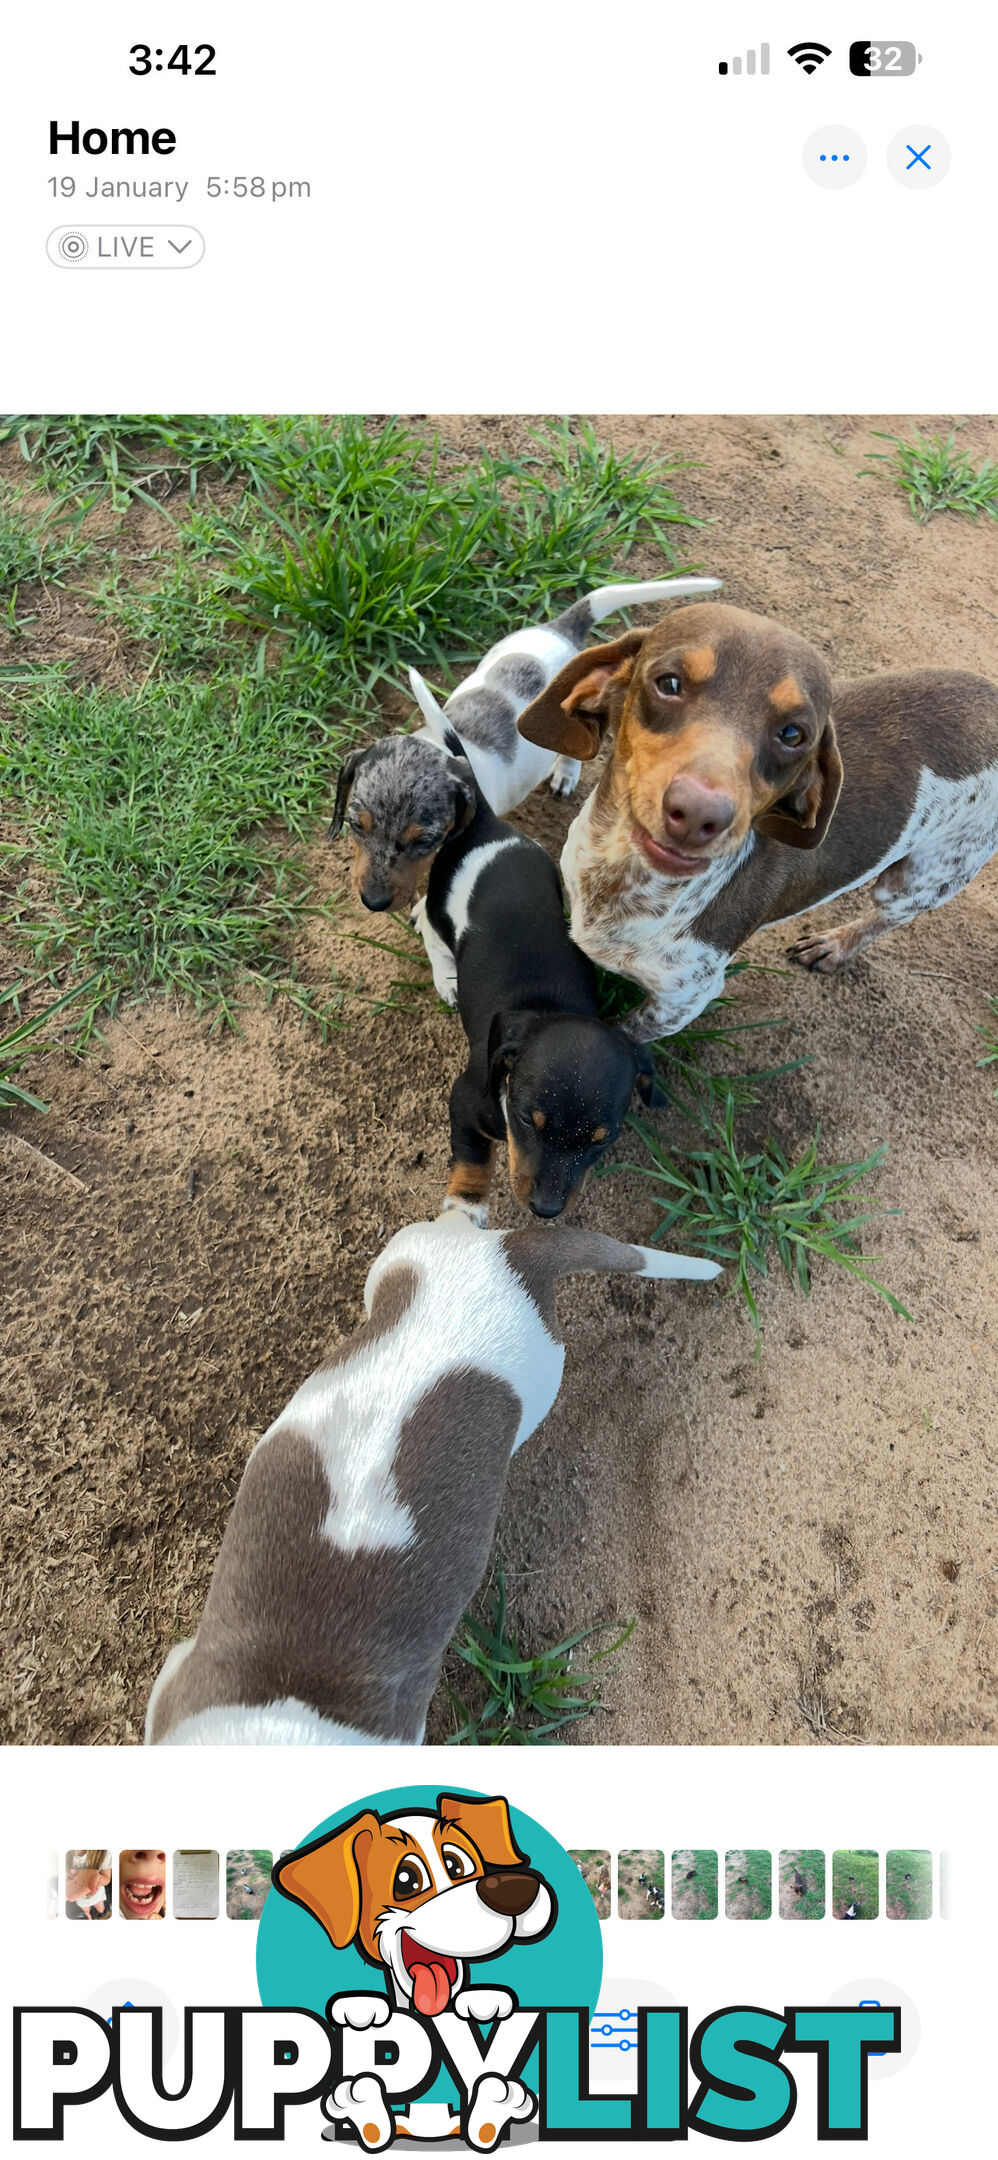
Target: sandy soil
[808,1543]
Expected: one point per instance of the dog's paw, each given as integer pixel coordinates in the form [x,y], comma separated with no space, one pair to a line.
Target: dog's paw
[417,914]
[565,776]
[477,1211]
[484,2004]
[820,955]
[495,2102]
[446,987]
[360,2011]
[361,2102]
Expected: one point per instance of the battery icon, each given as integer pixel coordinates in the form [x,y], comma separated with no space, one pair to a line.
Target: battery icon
[885,60]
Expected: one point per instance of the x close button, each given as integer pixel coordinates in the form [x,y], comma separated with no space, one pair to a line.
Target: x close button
[919,157]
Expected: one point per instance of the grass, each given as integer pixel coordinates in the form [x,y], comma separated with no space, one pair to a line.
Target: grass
[748,1878]
[25,1039]
[694,1884]
[34,548]
[935,475]
[749,1210]
[161,812]
[528,1699]
[856,1880]
[809,1863]
[909,1885]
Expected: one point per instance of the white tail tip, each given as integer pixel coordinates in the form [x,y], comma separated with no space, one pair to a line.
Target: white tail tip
[677,1266]
[610,597]
[431,710]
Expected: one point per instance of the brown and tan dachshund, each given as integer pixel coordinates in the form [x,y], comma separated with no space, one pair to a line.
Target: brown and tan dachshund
[741,791]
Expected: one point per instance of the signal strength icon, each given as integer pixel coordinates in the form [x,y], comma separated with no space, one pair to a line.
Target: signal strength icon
[809,55]
[734,67]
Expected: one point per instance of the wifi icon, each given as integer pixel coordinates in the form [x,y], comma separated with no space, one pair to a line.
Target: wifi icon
[809,54]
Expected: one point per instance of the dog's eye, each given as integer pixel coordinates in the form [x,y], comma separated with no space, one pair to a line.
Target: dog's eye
[791,735]
[459,1865]
[410,1878]
[668,685]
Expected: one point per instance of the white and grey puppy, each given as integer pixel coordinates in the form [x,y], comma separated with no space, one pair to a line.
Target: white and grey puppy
[365,1517]
[401,797]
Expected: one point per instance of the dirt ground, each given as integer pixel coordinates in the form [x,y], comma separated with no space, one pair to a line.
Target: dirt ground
[809,1544]
[247,1882]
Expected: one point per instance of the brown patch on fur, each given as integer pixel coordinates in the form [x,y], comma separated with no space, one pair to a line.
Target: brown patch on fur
[539,1258]
[787,696]
[600,1132]
[395,1292]
[356,1636]
[699,665]
[364,820]
[648,762]
[413,833]
[538,1118]
[469,1181]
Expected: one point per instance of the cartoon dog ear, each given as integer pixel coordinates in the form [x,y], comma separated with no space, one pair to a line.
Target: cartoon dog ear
[574,712]
[505,1038]
[487,1824]
[802,817]
[646,1081]
[325,1877]
[344,782]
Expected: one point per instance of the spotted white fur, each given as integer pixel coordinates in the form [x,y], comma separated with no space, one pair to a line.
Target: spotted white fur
[950,835]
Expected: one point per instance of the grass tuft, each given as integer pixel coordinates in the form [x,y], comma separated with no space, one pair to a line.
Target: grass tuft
[748,1209]
[990,1036]
[935,475]
[24,1040]
[528,1699]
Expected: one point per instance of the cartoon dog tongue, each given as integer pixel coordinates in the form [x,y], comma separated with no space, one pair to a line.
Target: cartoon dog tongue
[430,1988]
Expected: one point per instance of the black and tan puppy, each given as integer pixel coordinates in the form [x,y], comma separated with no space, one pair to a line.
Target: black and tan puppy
[544,1071]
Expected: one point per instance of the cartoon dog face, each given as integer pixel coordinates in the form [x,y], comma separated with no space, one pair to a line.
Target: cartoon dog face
[422,1893]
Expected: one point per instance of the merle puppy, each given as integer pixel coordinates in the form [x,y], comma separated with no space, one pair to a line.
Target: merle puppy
[543,1071]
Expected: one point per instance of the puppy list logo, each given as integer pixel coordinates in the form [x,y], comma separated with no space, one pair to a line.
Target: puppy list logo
[444,1961]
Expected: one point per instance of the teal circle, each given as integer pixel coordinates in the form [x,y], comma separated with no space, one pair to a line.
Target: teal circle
[296,1964]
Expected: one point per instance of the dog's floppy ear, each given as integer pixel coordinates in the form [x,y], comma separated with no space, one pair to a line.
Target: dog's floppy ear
[325,1877]
[505,1037]
[487,1824]
[646,1081]
[574,712]
[344,782]
[466,793]
[802,817]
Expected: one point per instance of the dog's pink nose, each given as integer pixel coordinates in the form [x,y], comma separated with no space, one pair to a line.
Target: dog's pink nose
[693,813]
[508,1893]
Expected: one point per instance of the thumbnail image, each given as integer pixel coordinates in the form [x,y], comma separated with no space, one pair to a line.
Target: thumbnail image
[641,1884]
[195,1885]
[748,1884]
[52,1887]
[694,1885]
[142,1884]
[594,1868]
[908,1894]
[269,684]
[855,1884]
[88,1883]
[802,1883]
[247,1881]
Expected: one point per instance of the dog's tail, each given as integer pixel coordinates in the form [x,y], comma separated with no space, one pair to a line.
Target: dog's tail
[541,1257]
[577,621]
